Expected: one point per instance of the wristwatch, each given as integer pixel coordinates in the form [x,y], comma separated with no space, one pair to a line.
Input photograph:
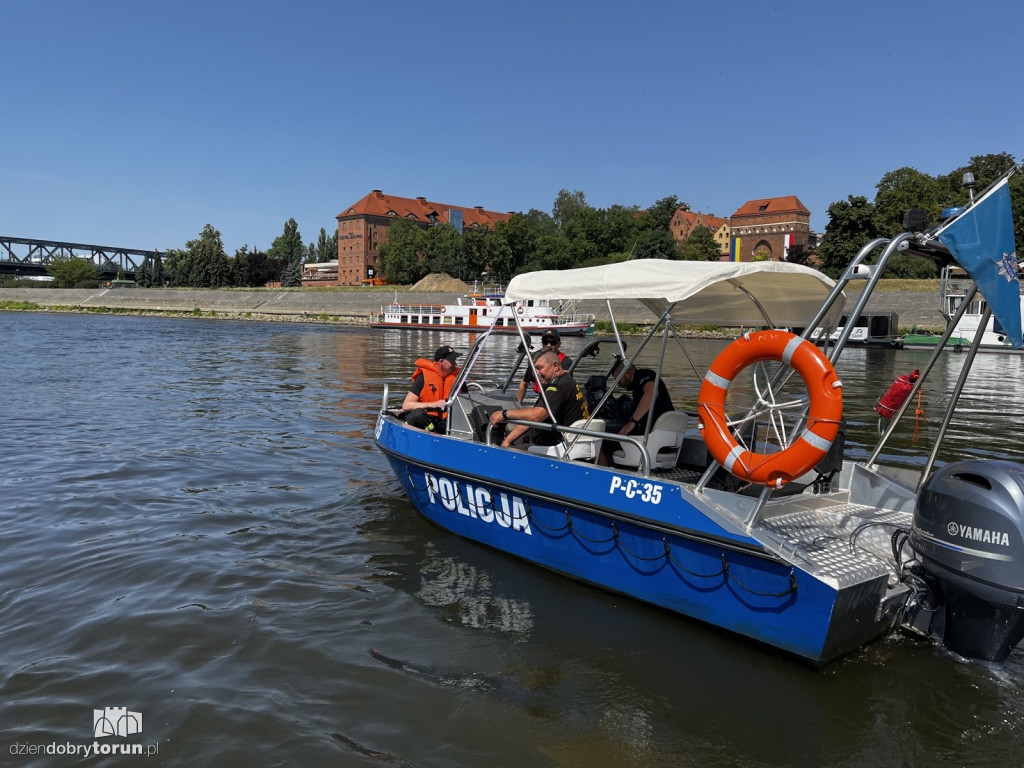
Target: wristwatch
[504,414]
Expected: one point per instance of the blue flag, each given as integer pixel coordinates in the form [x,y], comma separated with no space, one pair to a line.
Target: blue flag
[981,240]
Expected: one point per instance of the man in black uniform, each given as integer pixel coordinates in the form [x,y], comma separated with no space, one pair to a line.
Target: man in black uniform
[640,383]
[564,397]
[551,339]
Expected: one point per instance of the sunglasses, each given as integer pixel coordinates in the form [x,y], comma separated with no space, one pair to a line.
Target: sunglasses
[551,342]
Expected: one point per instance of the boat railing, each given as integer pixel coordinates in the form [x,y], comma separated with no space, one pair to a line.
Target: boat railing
[413,309]
[576,317]
[645,456]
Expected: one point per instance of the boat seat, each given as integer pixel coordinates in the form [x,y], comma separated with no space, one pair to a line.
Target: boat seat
[583,447]
[663,444]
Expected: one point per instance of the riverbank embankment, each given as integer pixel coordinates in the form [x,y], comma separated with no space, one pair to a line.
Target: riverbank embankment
[354,307]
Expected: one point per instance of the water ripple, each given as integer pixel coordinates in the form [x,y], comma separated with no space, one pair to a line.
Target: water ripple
[198,527]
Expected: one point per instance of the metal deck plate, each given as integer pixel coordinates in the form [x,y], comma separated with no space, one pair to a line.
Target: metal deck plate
[678,475]
[841,543]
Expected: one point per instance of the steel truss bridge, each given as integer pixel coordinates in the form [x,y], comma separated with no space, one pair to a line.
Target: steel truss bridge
[20,256]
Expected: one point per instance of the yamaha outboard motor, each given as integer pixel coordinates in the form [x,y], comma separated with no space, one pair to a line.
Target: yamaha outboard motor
[969,535]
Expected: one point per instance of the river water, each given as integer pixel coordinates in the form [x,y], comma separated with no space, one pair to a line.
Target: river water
[198,527]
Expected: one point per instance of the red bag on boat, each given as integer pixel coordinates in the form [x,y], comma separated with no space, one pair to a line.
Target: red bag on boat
[897,393]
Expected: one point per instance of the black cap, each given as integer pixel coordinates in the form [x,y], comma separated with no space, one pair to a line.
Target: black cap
[446,352]
[551,335]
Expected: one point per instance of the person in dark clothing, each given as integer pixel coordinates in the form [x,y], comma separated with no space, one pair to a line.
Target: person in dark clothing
[431,384]
[640,383]
[551,339]
[564,397]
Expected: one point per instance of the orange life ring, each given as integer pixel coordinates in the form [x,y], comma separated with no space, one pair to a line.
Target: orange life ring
[520,310]
[443,309]
[823,418]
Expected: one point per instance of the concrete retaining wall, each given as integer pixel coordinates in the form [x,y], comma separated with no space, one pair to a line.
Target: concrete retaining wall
[914,308]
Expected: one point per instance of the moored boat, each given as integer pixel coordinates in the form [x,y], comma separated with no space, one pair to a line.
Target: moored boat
[487,311]
[753,520]
[877,330]
[954,285]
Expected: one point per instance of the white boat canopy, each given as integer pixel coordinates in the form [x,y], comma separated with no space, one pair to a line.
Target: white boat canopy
[732,294]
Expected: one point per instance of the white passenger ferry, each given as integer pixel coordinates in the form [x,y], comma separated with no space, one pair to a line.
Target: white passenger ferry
[954,286]
[483,311]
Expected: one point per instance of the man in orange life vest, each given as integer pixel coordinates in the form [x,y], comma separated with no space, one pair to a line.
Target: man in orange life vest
[431,384]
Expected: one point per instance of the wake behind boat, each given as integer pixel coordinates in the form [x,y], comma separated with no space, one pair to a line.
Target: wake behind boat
[747,515]
[482,312]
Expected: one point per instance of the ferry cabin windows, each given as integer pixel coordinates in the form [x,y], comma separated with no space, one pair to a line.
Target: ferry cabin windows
[976,308]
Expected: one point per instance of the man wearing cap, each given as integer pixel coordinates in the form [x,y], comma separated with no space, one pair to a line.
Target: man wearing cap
[640,383]
[550,340]
[431,384]
[564,396]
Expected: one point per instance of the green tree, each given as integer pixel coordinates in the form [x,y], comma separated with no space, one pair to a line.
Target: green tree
[69,272]
[291,276]
[477,246]
[288,246]
[202,263]
[152,273]
[1017,206]
[701,245]
[654,244]
[659,215]
[568,206]
[910,267]
[444,251]
[401,255]
[900,190]
[850,227]
[539,222]
[586,233]
[987,169]
[252,269]
[554,250]
[174,265]
[654,236]
[621,228]
[327,246]
[515,241]
[800,254]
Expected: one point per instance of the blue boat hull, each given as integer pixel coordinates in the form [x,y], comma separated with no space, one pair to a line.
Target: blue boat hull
[636,536]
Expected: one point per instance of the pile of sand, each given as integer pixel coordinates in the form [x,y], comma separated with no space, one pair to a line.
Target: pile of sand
[439,282]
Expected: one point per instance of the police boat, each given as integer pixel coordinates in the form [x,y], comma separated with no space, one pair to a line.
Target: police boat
[747,515]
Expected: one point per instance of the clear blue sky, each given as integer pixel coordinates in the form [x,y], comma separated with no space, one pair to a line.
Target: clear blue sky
[133,123]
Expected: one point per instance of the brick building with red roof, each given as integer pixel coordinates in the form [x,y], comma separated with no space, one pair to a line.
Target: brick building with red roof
[684,221]
[364,226]
[769,227]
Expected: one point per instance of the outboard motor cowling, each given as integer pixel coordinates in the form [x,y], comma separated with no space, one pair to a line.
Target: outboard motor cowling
[969,535]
